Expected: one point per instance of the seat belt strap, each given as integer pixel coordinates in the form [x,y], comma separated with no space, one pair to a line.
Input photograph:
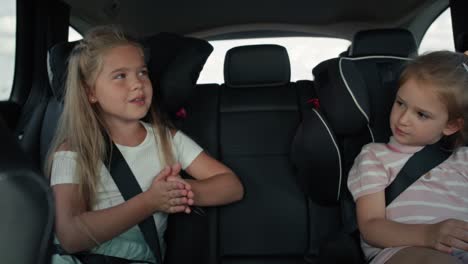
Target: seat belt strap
[129,187]
[419,164]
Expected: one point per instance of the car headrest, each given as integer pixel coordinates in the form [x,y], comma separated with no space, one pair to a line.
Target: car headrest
[174,65]
[257,65]
[344,101]
[391,42]
[57,63]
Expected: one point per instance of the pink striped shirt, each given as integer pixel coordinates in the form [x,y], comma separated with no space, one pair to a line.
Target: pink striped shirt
[438,195]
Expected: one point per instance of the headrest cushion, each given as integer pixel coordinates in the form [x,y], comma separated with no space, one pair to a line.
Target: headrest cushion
[257,65]
[391,42]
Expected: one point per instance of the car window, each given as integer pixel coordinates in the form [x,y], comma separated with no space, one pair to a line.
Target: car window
[7,47]
[73,34]
[304,54]
[439,36]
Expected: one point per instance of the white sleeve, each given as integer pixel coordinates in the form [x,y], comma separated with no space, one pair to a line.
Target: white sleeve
[63,168]
[186,150]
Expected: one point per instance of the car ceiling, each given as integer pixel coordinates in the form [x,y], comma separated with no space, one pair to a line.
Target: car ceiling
[211,18]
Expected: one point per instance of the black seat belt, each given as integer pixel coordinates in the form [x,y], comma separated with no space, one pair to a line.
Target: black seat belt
[419,164]
[129,187]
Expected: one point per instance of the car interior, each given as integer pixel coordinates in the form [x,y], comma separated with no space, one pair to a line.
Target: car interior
[291,142]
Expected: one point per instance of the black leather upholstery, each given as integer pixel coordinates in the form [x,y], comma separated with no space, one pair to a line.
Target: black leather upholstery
[254,66]
[196,235]
[27,207]
[257,125]
[29,133]
[390,42]
[274,223]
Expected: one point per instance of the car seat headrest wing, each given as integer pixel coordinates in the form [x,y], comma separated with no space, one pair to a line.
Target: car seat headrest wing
[57,63]
[175,65]
[316,155]
[344,101]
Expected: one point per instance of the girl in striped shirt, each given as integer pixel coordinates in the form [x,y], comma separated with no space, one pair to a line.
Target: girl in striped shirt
[428,222]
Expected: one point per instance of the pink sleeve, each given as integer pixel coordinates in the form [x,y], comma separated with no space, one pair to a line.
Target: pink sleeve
[368,175]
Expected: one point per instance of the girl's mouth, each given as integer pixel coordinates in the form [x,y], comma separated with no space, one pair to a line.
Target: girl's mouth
[138,101]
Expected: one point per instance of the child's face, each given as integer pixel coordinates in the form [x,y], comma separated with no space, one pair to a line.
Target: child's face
[418,116]
[122,88]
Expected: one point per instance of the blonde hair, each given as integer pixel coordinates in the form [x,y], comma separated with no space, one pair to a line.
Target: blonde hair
[447,74]
[80,127]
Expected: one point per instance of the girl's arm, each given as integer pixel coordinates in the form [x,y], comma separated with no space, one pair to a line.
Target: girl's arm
[383,233]
[78,229]
[215,183]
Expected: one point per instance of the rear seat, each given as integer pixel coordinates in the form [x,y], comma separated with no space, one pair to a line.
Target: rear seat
[258,116]
[248,123]
[196,234]
[260,110]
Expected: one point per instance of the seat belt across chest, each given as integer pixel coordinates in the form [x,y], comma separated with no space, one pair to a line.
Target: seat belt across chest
[417,165]
[129,187]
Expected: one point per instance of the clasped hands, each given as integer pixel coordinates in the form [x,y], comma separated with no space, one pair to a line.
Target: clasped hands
[170,193]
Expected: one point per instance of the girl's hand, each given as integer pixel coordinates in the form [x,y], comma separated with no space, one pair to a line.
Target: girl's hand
[177,178]
[168,196]
[448,234]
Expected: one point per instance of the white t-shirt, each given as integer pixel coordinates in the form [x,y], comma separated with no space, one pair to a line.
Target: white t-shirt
[144,162]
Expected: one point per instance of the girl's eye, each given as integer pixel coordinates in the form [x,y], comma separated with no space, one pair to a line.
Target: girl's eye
[422,116]
[120,76]
[143,73]
[398,102]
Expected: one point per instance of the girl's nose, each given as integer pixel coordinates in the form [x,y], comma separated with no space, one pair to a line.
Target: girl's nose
[137,83]
[404,118]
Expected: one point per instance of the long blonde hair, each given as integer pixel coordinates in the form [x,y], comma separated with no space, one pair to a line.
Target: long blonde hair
[80,126]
